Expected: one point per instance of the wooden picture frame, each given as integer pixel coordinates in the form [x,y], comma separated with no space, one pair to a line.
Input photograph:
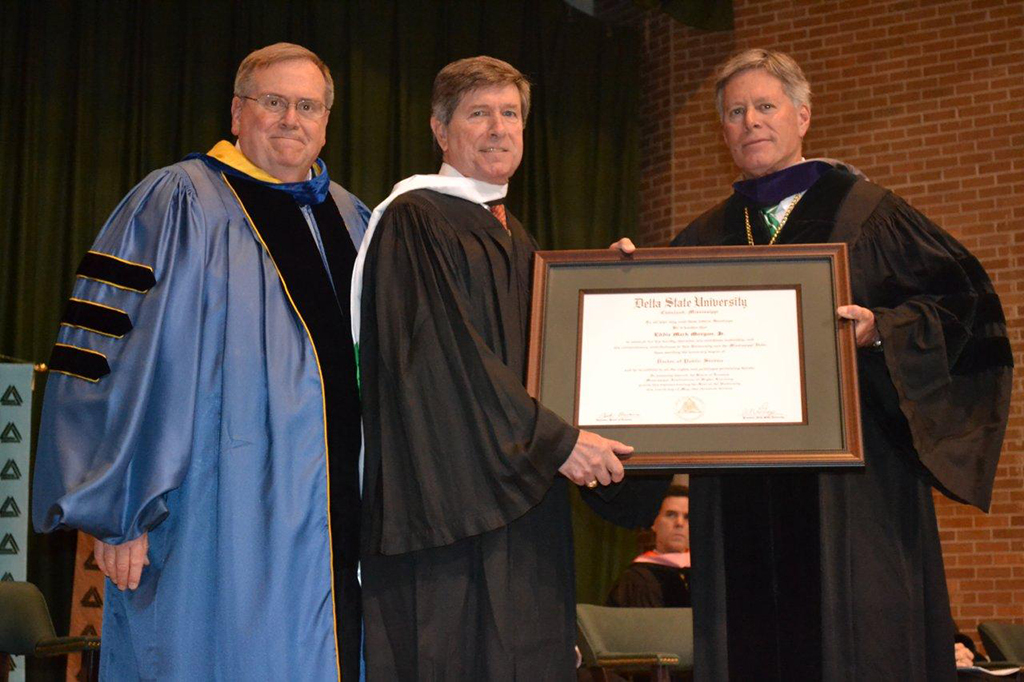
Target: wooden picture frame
[828,434]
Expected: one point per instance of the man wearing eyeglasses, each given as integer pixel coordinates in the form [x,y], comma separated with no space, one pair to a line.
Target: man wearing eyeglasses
[201,418]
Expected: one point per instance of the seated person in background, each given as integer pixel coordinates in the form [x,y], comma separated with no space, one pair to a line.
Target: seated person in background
[660,577]
[964,655]
[965,651]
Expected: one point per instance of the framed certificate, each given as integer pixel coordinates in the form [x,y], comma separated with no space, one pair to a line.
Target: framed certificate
[701,358]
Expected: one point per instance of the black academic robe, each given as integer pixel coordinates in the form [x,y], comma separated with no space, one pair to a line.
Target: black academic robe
[467,566]
[839,576]
[651,586]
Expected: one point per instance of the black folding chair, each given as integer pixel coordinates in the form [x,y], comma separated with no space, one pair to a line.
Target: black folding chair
[26,630]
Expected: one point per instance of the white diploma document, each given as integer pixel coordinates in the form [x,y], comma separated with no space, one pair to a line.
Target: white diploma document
[690,357]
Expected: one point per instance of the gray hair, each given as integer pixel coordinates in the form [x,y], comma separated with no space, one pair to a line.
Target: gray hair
[465,75]
[280,52]
[772,62]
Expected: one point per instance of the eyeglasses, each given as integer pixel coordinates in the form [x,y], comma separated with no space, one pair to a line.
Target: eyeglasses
[276,104]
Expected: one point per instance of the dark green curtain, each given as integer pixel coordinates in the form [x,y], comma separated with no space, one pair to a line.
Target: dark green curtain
[603,551]
[95,94]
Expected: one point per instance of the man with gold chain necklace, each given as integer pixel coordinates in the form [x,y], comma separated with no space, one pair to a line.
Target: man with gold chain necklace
[839,576]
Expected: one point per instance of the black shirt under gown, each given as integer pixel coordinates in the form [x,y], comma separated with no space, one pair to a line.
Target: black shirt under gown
[839,576]
[467,566]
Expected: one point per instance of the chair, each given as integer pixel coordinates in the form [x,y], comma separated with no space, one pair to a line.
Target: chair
[26,629]
[1003,641]
[653,641]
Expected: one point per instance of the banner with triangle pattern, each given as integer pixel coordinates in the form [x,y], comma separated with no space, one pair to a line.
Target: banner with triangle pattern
[15,445]
[86,601]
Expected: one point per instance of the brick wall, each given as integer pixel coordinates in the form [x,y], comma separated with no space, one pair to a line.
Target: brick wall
[927,98]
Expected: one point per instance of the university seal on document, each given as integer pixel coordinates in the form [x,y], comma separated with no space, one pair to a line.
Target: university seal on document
[689,408]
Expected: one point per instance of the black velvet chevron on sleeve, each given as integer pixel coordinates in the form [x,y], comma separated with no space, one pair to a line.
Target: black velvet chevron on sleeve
[117,272]
[79,362]
[97,318]
[988,346]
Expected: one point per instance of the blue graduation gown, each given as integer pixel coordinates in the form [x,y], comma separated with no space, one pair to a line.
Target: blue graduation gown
[209,432]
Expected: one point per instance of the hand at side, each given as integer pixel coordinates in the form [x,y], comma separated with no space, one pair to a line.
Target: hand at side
[123,563]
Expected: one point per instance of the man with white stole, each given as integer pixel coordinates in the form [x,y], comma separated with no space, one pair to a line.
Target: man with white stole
[467,541]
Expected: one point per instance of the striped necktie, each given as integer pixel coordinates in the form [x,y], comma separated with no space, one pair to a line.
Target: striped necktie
[499,212]
[771,222]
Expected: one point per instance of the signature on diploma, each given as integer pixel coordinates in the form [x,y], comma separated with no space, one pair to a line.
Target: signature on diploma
[762,411]
[621,416]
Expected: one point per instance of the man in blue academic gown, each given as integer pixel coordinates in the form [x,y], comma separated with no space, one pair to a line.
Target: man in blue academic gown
[201,418]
